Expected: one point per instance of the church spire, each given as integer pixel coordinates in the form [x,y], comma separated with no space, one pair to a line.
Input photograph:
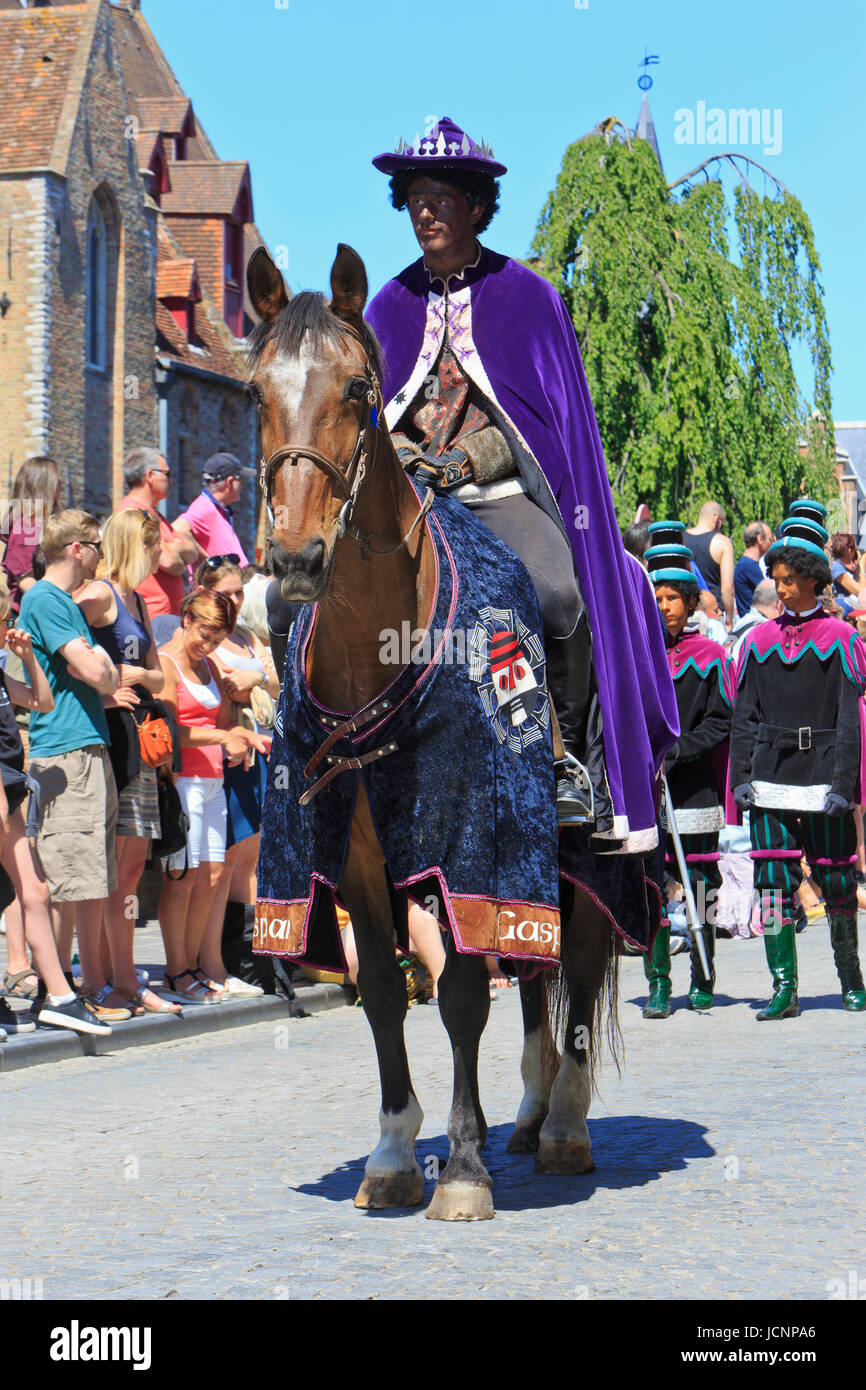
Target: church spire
[645,129]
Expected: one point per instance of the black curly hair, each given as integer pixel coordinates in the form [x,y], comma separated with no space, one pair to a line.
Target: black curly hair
[475,187]
[802,562]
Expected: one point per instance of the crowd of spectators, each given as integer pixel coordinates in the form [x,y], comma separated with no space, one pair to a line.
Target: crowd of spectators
[137,694]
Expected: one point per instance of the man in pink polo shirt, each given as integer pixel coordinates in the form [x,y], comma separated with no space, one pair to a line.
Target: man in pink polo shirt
[146,475]
[208,520]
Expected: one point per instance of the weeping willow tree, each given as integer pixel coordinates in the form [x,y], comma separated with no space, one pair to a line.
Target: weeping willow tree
[687,348]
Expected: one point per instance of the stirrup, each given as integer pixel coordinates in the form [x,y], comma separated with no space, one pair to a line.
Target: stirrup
[575,802]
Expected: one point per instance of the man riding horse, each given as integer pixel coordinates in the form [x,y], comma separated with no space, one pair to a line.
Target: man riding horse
[486,398]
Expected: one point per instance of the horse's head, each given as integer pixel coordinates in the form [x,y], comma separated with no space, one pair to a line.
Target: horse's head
[315,380]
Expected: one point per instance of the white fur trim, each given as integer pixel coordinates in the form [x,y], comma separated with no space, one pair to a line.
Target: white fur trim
[784,797]
[471,493]
[700,820]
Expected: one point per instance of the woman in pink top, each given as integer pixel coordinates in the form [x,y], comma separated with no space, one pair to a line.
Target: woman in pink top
[194,691]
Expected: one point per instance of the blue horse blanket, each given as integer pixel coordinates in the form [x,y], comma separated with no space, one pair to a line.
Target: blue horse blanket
[459,776]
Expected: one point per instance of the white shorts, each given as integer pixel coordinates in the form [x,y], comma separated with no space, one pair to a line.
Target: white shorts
[204,800]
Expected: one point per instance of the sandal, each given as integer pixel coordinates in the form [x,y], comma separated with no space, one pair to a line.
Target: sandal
[111,998]
[221,991]
[196,993]
[139,1005]
[14,988]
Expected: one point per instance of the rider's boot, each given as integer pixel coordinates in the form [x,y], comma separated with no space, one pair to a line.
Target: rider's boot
[780,944]
[701,988]
[657,968]
[843,935]
[582,796]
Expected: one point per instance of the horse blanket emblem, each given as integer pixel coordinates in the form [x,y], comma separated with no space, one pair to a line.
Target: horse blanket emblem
[462,793]
[507,664]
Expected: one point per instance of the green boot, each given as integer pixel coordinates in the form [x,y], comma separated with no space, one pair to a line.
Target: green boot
[843,935]
[701,988]
[781,949]
[657,968]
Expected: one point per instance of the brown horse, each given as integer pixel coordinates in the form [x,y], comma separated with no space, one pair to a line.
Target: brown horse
[349,535]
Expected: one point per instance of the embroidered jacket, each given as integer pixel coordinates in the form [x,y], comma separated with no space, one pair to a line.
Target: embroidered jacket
[796,732]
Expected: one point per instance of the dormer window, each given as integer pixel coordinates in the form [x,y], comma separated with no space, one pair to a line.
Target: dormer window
[234,249]
[180,147]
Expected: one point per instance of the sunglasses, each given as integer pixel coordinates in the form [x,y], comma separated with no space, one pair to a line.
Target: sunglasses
[97,545]
[214,561]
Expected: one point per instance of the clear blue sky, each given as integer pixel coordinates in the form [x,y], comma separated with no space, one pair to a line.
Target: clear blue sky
[308,94]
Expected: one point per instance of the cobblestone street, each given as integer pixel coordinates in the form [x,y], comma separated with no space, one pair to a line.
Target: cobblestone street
[729,1160]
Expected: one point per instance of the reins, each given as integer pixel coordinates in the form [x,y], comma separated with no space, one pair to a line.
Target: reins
[348,480]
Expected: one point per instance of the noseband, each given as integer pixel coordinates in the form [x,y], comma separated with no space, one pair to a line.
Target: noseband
[348,480]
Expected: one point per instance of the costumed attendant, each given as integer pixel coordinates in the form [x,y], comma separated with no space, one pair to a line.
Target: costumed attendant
[796,756]
[696,766]
[486,398]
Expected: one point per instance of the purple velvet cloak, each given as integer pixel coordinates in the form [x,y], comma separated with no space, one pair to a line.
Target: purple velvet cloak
[514,339]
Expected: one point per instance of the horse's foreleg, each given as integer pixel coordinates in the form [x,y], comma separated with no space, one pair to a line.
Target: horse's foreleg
[392,1177]
[463,1192]
[538,1067]
[563,1143]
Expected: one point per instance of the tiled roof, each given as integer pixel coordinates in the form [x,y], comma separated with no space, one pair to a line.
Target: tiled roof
[167,114]
[177,279]
[37,52]
[145,71]
[213,355]
[215,352]
[146,142]
[205,187]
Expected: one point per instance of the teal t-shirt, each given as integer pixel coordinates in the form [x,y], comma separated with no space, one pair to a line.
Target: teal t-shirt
[77,720]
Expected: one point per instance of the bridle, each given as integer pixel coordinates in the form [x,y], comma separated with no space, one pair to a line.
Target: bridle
[348,480]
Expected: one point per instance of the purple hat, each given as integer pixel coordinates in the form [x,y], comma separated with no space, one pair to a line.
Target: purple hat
[446,147]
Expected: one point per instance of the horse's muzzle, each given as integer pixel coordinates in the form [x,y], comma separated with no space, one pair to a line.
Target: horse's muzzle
[304,574]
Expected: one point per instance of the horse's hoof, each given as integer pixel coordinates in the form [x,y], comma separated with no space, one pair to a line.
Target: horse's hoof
[563,1158]
[391,1190]
[460,1201]
[524,1138]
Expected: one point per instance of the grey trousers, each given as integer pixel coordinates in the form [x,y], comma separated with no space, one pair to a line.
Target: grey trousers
[545,552]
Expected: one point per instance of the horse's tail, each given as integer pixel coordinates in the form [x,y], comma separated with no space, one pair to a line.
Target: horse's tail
[603,1018]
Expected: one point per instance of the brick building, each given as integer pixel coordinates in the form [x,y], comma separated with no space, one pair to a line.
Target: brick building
[123,242]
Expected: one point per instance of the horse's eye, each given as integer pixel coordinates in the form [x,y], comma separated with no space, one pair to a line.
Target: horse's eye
[358,388]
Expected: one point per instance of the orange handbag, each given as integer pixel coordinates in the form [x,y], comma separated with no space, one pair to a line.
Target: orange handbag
[154,742]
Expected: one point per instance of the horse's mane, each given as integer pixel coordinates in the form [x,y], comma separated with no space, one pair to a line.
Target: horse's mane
[307,319]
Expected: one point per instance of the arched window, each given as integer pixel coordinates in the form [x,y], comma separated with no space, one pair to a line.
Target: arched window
[96,287]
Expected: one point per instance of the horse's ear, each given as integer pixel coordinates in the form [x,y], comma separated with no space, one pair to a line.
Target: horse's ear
[266,285]
[348,285]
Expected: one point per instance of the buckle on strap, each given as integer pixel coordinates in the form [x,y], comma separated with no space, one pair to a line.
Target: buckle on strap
[804,738]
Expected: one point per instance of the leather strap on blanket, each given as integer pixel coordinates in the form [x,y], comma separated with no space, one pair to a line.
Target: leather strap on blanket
[342,764]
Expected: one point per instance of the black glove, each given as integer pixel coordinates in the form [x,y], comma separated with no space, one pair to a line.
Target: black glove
[836,805]
[744,795]
[671,755]
[446,471]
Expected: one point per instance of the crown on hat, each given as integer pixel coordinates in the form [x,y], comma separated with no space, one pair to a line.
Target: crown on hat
[447,146]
